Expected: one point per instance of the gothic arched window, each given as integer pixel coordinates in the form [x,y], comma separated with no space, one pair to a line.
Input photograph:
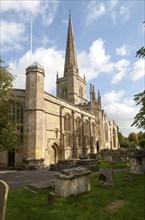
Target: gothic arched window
[106,132]
[78,130]
[67,129]
[114,137]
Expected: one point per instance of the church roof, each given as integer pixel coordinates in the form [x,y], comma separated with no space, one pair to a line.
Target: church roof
[35,65]
[70,57]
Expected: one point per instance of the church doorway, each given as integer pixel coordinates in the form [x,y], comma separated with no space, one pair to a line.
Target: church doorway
[54,154]
[97,146]
[11,158]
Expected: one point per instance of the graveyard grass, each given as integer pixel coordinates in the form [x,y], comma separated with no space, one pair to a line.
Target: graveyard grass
[113,165]
[24,204]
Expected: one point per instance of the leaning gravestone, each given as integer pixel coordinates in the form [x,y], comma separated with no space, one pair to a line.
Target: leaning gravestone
[3,199]
[106,177]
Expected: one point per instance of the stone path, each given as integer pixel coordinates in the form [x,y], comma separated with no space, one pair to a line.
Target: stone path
[20,179]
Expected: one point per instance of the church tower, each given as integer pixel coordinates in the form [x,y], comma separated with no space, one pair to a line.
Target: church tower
[71,86]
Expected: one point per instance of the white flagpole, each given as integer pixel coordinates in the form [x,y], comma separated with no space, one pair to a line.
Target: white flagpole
[31,45]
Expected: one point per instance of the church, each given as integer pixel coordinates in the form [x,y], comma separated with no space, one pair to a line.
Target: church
[62,127]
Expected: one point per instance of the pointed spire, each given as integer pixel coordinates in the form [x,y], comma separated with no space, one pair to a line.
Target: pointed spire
[91,91]
[70,56]
[57,75]
[94,95]
[99,96]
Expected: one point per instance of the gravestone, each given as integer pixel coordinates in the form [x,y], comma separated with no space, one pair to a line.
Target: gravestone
[3,199]
[106,177]
[51,198]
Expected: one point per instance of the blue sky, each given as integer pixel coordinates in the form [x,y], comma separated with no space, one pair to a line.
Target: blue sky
[107,35]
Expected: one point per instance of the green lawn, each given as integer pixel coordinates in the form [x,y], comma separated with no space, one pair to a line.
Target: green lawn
[26,205]
[103,164]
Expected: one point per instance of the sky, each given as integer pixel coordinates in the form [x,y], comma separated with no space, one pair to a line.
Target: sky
[107,35]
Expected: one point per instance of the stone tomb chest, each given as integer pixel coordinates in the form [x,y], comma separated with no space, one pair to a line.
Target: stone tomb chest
[72,181]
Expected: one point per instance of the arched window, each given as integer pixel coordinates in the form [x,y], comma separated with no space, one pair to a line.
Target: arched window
[106,132]
[86,128]
[67,129]
[18,117]
[81,92]
[114,138]
[78,130]
[64,93]
[93,129]
[56,134]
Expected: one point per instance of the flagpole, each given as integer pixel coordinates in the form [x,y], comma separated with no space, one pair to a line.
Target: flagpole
[31,45]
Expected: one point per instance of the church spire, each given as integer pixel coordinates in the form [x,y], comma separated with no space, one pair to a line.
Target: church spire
[70,56]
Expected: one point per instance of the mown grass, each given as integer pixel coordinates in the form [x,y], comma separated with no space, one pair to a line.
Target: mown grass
[113,165]
[25,205]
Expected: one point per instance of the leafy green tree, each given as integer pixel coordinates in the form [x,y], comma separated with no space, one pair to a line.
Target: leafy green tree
[141,139]
[139,120]
[141,52]
[132,137]
[9,135]
[126,144]
[120,138]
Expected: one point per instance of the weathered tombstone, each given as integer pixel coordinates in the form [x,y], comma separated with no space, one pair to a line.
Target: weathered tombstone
[106,177]
[51,198]
[3,199]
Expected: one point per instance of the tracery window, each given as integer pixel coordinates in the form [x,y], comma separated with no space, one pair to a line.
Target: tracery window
[67,129]
[18,118]
[106,132]
[93,129]
[114,138]
[78,130]
[86,128]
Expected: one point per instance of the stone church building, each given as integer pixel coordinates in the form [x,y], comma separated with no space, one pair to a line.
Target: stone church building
[67,126]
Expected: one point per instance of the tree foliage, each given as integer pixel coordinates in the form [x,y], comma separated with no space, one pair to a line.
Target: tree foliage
[9,135]
[132,137]
[141,52]
[139,120]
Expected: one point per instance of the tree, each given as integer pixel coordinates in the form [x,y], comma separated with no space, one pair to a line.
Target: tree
[141,139]
[132,137]
[139,120]
[9,134]
[141,52]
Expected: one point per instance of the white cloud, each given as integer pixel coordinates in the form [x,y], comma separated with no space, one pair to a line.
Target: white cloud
[48,10]
[17,15]
[48,58]
[124,12]
[20,5]
[94,63]
[120,109]
[121,66]
[95,10]
[12,34]
[113,16]
[29,10]
[138,70]
[111,97]
[124,50]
